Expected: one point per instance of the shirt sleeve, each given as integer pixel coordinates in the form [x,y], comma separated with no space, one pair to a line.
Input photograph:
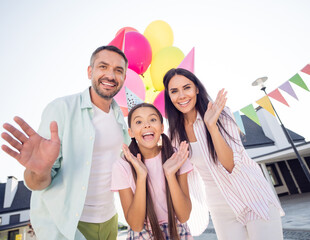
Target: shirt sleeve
[52,112]
[121,176]
[235,142]
[186,167]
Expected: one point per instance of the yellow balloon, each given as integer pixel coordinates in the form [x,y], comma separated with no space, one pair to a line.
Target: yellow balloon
[147,80]
[159,34]
[150,95]
[165,59]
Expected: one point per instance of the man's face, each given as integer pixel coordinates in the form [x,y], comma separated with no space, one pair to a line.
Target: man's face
[107,73]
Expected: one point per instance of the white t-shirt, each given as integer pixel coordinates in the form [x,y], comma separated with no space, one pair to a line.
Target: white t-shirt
[214,197]
[99,204]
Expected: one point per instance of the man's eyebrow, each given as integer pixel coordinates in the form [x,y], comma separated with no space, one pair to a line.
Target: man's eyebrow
[120,67]
[104,63]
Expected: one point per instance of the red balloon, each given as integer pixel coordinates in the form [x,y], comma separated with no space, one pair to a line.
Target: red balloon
[138,52]
[127,29]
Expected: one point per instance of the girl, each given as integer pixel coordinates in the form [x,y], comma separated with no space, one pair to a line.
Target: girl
[152,183]
[241,203]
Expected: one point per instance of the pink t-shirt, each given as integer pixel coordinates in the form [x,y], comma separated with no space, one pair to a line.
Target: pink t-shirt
[122,178]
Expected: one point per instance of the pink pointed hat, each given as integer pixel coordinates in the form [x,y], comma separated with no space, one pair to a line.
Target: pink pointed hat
[189,61]
[119,41]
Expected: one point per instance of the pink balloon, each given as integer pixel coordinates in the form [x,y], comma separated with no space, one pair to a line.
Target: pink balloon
[159,102]
[135,84]
[138,51]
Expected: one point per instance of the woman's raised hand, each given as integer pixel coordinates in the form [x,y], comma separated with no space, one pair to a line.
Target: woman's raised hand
[34,152]
[214,109]
[173,164]
[135,161]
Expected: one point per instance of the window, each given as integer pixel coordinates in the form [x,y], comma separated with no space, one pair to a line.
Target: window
[0,220]
[274,176]
[12,234]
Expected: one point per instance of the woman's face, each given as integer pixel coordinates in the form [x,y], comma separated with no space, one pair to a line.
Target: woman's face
[183,93]
[146,127]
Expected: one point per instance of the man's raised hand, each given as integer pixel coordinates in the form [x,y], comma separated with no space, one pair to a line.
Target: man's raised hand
[34,152]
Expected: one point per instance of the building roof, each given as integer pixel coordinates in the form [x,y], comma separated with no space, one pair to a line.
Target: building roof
[255,136]
[15,225]
[21,200]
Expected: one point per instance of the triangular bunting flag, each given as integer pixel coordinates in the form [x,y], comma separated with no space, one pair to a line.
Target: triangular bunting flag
[250,112]
[189,61]
[239,121]
[288,88]
[298,81]
[132,99]
[306,69]
[278,96]
[119,41]
[265,103]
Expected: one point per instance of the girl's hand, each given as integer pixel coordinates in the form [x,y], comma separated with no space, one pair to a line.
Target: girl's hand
[214,110]
[136,162]
[173,164]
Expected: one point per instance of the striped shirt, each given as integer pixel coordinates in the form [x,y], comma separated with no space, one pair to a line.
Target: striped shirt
[245,189]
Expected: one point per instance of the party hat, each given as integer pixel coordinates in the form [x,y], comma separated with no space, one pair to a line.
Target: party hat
[188,61]
[119,41]
[132,99]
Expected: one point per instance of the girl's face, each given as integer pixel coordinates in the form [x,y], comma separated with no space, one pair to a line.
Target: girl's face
[146,127]
[183,93]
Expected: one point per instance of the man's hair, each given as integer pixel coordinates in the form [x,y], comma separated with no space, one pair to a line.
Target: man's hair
[108,48]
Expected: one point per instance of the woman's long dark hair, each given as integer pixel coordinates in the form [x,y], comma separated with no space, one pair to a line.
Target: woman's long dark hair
[176,118]
[166,152]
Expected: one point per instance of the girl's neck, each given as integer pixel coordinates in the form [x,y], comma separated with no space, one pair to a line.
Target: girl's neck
[150,152]
[190,117]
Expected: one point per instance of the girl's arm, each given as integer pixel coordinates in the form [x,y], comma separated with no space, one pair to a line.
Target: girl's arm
[134,204]
[223,150]
[180,196]
[178,185]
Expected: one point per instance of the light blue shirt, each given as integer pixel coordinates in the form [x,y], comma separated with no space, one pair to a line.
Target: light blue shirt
[56,210]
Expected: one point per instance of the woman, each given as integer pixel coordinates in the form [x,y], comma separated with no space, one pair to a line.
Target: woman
[241,203]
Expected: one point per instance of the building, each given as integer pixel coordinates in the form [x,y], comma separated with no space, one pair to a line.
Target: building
[269,147]
[14,211]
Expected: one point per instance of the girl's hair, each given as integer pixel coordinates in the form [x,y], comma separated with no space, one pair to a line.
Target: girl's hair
[166,152]
[176,118]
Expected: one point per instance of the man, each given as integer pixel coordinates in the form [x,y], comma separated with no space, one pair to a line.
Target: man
[69,161]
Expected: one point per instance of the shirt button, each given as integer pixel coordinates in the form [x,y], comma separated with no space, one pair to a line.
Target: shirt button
[87,162]
[76,214]
[91,137]
[83,188]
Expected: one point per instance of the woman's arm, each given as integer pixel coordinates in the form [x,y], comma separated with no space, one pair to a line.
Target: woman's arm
[223,150]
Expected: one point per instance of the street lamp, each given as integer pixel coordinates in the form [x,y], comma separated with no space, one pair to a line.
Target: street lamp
[260,82]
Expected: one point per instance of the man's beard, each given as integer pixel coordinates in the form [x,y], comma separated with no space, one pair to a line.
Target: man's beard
[104,95]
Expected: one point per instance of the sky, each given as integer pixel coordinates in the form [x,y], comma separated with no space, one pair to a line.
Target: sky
[45,48]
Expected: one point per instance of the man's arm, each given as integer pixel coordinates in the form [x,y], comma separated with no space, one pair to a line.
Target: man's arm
[34,152]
